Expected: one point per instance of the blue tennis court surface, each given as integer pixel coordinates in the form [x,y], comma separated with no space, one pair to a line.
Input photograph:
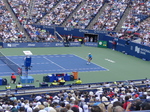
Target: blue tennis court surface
[44,64]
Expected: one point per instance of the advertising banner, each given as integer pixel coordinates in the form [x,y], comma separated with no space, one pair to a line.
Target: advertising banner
[91,44]
[44,44]
[102,44]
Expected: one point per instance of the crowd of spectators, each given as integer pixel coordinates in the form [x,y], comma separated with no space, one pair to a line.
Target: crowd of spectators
[139,12]
[60,13]
[40,35]
[106,98]
[9,32]
[111,15]
[40,8]
[135,26]
[137,22]
[85,14]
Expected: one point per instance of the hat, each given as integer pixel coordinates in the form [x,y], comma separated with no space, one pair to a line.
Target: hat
[91,93]
[105,100]
[45,104]
[41,107]
[12,73]
[136,95]
[82,99]
[85,108]
[56,97]
[72,91]
[22,98]
[100,89]
[38,103]
[52,110]
[47,96]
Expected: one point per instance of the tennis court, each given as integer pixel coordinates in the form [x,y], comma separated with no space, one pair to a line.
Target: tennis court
[4,69]
[45,64]
[118,65]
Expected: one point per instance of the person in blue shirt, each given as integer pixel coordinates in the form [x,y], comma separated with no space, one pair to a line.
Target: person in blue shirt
[89,58]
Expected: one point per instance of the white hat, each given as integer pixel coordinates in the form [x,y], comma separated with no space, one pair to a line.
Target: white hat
[100,89]
[38,103]
[105,100]
[85,108]
[82,99]
[91,93]
[72,91]
[56,97]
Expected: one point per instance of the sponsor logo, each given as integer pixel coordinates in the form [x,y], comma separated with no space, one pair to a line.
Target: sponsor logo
[75,43]
[142,50]
[137,49]
[91,44]
[97,31]
[120,44]
[68,29]
[100,43]
[12,45]
[85,31]
[31,44]
[9,45]
[59,44]
[51,27]
[46,44]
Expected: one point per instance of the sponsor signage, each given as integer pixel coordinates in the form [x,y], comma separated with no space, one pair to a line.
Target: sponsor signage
[92,44]
[44,44]
[102,44]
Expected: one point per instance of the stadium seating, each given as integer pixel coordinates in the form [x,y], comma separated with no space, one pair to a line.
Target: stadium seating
[9,32]
[56,12]
[111,15]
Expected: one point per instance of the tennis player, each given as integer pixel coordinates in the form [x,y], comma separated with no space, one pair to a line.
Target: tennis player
[89,58]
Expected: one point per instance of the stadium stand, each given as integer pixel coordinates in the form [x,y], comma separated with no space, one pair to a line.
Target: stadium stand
[85,14]
[9,32]
[40,35]
[136,23]
[60,13]
[111,15]
[106,96]
[56,12]
[40,9]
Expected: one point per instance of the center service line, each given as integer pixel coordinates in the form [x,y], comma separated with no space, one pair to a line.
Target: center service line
[110,60]
[54,63]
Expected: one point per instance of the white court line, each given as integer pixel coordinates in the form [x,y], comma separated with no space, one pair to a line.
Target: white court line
[110,60]
[54,63]
[67,70]
[6,73]
[92,62]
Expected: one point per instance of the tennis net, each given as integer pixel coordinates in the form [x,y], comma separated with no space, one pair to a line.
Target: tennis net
[10,64]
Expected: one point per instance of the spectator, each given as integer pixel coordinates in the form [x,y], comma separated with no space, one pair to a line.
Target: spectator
[13,97]
[96,109]
[68,107]
[118,109]
[14,109]
[126,103]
